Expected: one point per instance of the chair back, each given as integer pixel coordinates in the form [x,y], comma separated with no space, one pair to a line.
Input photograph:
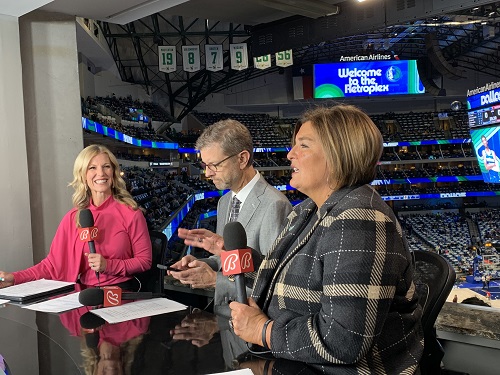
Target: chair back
[434,278]
[152,280]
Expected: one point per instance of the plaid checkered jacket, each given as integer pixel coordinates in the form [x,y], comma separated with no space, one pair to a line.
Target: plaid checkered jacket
[338,285]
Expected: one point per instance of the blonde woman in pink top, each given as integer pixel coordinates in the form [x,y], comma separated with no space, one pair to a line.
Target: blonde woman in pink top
[123,246]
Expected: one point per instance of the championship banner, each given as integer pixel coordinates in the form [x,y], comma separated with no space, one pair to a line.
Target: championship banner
[167,59]
[239,56]
[262,62]
[284,58]
[191,58]
[214,58]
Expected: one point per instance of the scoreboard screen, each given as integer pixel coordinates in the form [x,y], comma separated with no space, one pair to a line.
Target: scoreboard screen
[484,116]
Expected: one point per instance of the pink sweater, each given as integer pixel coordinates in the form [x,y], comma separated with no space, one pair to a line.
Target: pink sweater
[123,240]
[115,334]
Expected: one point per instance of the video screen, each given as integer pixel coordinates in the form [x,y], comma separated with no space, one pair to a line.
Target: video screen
[486,143]
[374,78]
[484,116]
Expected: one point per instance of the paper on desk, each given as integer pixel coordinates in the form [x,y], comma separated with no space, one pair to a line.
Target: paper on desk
[33,287]
[57,305]
[138,309]
[243,371]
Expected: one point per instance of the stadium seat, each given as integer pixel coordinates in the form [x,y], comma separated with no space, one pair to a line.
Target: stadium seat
[434,279]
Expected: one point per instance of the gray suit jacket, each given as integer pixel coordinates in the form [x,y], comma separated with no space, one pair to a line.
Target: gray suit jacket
[262,215]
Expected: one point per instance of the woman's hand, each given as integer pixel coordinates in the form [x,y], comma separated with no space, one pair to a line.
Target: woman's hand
[96,262]
[258,366]
[248,321]
[6,279]
[202,238]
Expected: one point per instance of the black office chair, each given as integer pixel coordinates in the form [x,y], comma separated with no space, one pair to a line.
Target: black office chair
[152,280]
[434,278]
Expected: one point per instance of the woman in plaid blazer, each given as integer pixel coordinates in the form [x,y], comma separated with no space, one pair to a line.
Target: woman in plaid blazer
[336,291]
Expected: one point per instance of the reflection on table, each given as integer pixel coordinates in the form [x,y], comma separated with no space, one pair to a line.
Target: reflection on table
[186,342]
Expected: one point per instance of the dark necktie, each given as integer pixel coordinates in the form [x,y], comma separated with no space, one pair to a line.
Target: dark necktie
[235,209]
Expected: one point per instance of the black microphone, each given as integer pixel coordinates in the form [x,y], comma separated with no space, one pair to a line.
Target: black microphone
[237,259]
[87,231]
[91,324]
[95,297]
[87,222]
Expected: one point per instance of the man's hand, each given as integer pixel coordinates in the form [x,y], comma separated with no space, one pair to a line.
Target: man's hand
[195,273]
[198,327]
[202,238]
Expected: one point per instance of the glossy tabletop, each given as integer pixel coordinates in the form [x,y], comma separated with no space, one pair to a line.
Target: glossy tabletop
[180,343]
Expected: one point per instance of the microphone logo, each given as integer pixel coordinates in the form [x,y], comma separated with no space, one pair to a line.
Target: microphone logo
[112,298]
[88,234]
[84,234]
[236,261]
[246,261]
[230,263]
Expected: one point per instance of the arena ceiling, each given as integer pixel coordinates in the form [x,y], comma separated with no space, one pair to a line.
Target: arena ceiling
[466,34]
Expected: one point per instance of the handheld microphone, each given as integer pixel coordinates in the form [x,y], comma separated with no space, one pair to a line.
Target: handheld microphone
[237,259]
[87,232]
[90,324]
[110,296]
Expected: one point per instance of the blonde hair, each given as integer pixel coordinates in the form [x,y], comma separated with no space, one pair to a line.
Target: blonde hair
[351,141]
[91,358]
[82,194]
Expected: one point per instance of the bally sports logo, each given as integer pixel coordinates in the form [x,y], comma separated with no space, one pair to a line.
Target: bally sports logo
[112,296]
[88,234]
[236,261]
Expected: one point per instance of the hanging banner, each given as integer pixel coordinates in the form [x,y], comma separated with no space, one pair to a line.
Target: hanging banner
[284,58]
[262,62]
[167,59]
[191,58]
[239,56]
[214,59]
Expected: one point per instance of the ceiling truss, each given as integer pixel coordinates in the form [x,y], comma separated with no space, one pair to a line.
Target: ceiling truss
[134,46]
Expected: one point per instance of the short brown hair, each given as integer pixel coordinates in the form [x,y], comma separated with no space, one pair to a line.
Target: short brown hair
[351,141]
[232,136]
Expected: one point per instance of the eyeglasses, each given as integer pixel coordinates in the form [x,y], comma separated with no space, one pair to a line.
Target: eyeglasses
[213,167]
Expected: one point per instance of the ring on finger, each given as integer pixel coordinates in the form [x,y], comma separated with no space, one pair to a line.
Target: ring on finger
[200,239]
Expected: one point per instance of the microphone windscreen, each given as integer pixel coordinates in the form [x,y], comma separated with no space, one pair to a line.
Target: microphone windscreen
[91,297]
[234,236]
[91,321]
[86,218]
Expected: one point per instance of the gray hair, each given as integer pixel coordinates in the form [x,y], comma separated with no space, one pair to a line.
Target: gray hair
[232,136]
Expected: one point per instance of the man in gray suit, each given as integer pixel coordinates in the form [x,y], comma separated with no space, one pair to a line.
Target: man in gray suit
[226,149]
